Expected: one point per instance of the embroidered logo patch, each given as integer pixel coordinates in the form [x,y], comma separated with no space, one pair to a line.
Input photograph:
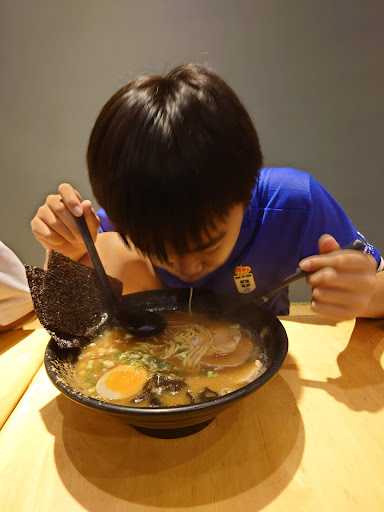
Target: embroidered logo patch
[244,279]
[368,249]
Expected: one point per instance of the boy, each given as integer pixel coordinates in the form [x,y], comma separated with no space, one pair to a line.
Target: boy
[176,165]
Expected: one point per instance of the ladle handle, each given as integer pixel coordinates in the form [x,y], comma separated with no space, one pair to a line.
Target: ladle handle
[357,245]
[98,266]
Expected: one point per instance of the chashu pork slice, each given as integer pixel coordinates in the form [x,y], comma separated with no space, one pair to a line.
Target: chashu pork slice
[238,355]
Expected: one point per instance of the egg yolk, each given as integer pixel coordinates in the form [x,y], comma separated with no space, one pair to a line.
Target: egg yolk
[128,380]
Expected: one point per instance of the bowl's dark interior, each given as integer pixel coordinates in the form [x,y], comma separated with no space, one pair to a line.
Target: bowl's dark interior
[264,326]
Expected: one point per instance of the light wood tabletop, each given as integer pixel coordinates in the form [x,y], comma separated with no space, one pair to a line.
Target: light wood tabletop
[309,440]
[21,355]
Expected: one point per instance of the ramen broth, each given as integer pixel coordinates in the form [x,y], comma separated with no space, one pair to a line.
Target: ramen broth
[195,359]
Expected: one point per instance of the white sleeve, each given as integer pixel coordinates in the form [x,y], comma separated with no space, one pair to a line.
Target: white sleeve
[15,298]
[380,267]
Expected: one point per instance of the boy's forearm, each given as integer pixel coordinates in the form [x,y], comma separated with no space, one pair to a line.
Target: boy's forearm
[135,272]
[375,307]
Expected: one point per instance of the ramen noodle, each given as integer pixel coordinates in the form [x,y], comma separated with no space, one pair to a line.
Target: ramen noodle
[195,359]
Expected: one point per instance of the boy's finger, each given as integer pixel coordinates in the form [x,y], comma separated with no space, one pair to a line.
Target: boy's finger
[71,198]
[86,206]
[329,278]
[335,312]
[342,260]
[49,217]
[44,233]
[92,219]
[333,296]
[60,210]
[327,244]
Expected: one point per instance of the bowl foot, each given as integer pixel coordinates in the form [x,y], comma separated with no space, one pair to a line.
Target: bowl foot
[172,433]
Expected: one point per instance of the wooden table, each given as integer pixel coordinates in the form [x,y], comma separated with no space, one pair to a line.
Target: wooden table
[21,355]
[310,440]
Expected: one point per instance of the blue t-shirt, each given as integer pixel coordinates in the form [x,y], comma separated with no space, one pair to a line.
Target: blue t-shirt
[288,213]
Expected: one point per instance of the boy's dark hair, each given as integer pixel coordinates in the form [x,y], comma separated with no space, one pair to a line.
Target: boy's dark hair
[169,155]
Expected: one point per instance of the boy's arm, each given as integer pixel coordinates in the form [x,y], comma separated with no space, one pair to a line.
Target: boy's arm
[132,269]
[345,284]
[375,308]
[55,228]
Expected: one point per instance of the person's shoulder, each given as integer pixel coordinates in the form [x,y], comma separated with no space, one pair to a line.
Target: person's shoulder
[283,187]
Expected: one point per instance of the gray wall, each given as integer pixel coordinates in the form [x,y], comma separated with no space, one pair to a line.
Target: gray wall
[310,72]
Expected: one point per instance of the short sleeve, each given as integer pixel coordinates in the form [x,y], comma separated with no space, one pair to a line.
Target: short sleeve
[105,224]
[327,216]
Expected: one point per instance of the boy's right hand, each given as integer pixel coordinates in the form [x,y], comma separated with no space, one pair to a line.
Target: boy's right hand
[54,226]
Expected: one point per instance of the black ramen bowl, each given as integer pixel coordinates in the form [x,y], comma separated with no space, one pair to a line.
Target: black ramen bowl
[180,420]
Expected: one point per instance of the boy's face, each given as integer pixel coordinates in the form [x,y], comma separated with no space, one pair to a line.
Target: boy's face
[211,253]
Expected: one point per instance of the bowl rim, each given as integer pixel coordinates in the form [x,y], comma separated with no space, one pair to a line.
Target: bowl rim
[186,409]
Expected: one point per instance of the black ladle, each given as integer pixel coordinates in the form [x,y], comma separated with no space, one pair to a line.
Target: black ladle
[137,322]
[264,295]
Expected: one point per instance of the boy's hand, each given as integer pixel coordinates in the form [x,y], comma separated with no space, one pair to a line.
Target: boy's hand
[54,226]
[342,281]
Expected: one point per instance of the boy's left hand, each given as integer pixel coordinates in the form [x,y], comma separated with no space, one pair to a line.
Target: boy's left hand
[342,281]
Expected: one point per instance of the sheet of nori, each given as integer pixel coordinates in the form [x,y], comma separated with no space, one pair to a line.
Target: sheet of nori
[68,299]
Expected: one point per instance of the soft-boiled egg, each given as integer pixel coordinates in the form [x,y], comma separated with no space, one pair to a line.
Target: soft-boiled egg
[122,382]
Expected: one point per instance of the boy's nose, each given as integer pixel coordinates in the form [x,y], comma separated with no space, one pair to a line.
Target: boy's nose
[187,267]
